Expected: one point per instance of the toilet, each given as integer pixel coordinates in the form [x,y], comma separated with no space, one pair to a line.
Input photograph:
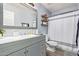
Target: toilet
[51,45]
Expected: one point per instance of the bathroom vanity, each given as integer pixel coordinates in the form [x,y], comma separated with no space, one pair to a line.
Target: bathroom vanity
[25,45]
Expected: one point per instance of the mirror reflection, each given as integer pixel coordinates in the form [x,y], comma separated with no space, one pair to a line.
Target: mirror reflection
[16,14]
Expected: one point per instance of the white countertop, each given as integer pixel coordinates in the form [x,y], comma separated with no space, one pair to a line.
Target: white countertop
[4,40]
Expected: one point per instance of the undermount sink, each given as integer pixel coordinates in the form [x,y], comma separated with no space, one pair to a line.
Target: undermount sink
[15,38]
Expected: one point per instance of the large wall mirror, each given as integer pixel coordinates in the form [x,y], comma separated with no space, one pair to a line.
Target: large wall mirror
[19,15]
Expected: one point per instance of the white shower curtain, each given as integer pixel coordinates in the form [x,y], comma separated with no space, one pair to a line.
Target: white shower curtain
[62,29]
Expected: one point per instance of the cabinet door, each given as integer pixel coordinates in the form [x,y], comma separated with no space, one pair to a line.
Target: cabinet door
[18,53]
[43,48]
[34,50]
[37,49]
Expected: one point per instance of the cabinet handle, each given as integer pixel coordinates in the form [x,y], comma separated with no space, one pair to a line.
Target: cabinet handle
[25,52]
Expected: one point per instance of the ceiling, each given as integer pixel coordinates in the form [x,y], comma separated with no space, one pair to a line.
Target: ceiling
[57,6]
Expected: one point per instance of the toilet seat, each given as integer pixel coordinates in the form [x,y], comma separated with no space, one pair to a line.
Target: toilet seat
[52,43]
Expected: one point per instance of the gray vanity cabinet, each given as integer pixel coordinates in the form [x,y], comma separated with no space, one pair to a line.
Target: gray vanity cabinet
[27,47]
[37,49]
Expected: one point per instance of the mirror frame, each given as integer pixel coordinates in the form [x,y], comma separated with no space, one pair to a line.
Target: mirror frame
[20,27]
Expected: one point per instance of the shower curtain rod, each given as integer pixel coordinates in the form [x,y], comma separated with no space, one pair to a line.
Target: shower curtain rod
[64,13]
